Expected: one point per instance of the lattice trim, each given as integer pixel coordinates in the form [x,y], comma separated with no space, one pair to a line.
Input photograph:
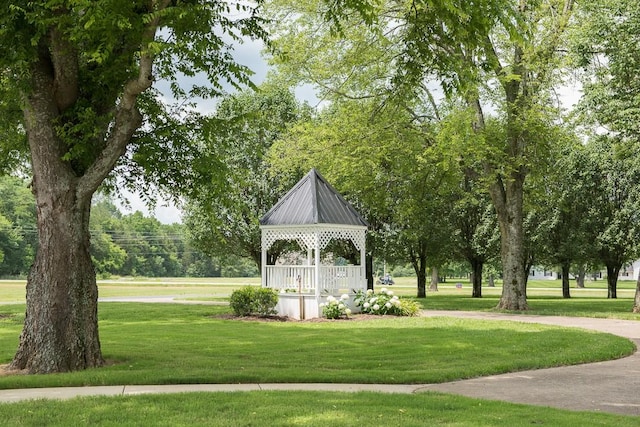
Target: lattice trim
[305,239]
[315,238]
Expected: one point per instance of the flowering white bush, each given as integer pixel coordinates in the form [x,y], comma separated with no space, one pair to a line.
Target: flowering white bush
[385,302]
[336,308]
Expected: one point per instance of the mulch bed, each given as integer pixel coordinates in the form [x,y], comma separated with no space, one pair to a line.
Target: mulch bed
[290,319]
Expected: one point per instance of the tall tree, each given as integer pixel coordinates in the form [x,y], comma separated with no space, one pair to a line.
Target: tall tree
[606,47]
[476,238]
[498,56]
[353,68]
[223,219]
[81,73]
[563,229]
[511,48]
[384,162]
[425,233]
[615,177]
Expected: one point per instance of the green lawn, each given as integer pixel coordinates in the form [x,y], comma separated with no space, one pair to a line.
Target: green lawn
[172,343]
[584,306]
[308,409]
[13,291]
[216,288]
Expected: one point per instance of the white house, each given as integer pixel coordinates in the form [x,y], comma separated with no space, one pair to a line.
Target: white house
[540,273]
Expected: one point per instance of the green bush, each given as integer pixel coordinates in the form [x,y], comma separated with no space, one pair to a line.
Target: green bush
[241,301]
[409,307]
[252,301]
[265,301]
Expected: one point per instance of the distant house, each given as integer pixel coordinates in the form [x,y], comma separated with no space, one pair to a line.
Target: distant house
[628,272]
[540,273]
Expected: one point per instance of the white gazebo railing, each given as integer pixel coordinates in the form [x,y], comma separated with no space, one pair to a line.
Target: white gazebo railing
[333,279]
[296,278]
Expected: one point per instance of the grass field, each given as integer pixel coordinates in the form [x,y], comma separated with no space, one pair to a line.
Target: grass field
[175,343]
[13,291]
[544,296]
[296,409]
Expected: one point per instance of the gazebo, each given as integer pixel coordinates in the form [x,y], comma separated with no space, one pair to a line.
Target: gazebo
[312,214]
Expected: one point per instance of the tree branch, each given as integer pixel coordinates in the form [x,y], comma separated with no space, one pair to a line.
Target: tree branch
[550,46]
[127,117]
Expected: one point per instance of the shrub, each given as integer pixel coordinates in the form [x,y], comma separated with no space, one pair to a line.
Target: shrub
[336,308]
[265,301]
[385,302]
[409,307]
[241,301]
[249,300]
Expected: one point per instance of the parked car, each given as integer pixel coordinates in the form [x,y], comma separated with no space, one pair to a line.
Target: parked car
[385,280]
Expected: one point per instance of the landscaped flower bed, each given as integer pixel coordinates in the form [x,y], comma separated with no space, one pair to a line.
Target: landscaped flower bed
[336,308]
[385,302]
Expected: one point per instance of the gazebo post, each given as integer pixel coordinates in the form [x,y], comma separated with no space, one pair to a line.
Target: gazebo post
[263,267]
[316,270]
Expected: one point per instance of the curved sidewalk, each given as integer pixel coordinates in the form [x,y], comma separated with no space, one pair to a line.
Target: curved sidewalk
[604,386]
[612,386]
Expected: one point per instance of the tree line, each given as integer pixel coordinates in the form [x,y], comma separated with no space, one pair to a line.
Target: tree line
[121,244]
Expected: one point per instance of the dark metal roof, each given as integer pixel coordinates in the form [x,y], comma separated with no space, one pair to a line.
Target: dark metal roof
[312,201]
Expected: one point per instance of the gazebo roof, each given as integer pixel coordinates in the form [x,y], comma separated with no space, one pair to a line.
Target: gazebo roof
[312,201]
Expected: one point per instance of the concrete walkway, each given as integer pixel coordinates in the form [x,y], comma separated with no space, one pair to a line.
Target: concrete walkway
[612,386]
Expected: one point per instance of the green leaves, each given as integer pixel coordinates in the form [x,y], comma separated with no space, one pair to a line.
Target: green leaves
[223,213]
[96,48]
[607,46]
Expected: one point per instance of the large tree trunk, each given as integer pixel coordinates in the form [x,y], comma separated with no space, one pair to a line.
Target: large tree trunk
[60,332]
[507,198]
[565,280]
[61,325]
[507,195]
[476,277]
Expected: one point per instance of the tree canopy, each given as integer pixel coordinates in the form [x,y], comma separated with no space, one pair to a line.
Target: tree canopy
[77,94]
[223,217]
[499,58]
